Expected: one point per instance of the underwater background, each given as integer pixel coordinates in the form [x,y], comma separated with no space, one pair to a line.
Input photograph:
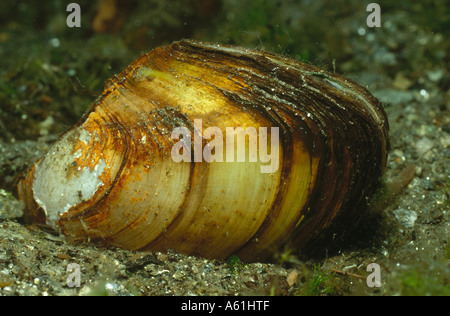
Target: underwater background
[50,73]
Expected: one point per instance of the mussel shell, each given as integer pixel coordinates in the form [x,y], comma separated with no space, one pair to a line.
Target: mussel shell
[112,178]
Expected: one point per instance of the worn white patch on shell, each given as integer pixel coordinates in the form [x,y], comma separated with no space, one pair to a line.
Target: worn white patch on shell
[85,136]
[56,190]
